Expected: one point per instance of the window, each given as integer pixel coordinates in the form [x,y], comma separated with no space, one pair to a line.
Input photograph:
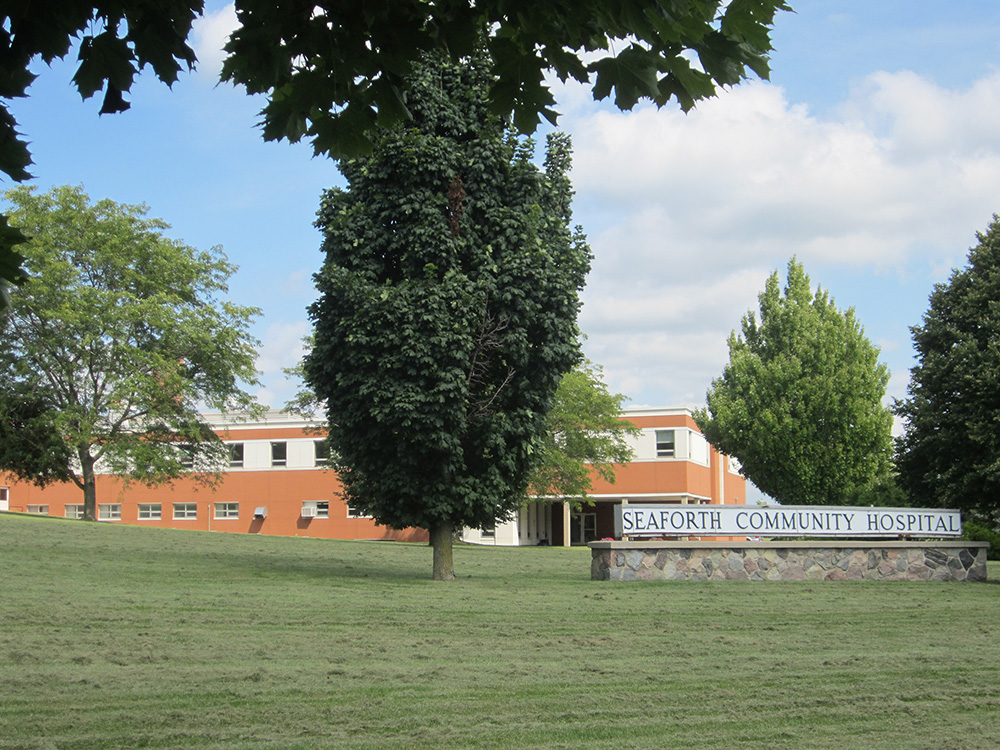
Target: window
[41,510]
[187,456]
[315,509]
[73,511]
[489,532]
[109,511]
[4,498]
[355,512]
[150,511]
[236,455]
[322,452]
[583,528]
[665,443]
[185,511]
[279,453]
[227,510]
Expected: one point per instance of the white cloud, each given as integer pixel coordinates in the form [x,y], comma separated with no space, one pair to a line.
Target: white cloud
[926,121]
[688,214]
[281,347]
[211,32]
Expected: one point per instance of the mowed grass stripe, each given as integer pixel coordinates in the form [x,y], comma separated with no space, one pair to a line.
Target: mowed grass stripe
[118,636]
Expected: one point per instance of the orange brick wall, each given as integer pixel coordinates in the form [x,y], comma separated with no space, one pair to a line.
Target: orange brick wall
[281,490]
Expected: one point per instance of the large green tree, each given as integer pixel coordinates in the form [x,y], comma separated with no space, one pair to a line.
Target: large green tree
[585,433]
[800,401]
[447,311]
[334,71]
[949,452]
[107,353]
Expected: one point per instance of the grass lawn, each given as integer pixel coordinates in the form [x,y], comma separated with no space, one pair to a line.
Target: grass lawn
[121,637]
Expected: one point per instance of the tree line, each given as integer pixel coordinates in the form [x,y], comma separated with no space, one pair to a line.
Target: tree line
[449,294]
[337,73]
[445,354]
[446,322]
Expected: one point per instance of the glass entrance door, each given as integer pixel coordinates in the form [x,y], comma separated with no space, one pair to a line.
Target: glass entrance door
[583,528]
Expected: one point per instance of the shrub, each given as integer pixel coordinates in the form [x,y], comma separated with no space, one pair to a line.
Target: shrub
[978,532]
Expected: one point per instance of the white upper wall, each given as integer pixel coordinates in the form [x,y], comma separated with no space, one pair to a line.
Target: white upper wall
[689,444]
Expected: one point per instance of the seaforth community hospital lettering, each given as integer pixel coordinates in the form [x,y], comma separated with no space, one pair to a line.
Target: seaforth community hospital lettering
[784,520]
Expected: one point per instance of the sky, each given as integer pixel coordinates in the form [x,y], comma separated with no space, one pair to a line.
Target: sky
[872,155]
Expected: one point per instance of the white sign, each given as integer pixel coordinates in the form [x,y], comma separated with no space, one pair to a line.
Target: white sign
[783,520]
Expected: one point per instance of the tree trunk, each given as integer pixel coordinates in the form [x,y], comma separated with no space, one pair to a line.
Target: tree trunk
[441,539]
[89,485]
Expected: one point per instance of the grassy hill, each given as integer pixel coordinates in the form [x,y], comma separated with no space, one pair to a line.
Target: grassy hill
[121,637]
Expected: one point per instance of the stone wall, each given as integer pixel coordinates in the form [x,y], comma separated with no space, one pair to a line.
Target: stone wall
[789,561]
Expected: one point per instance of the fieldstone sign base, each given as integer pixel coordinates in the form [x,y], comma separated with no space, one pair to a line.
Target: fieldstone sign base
[822,560]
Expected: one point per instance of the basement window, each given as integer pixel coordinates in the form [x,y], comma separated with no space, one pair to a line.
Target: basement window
[185,511]
[109,511]
[227,510]
[150,511]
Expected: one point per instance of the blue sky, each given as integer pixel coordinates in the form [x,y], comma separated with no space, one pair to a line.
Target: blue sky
[873,155]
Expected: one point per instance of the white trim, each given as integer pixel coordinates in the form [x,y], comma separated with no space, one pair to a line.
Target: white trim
[628,496]
[647,411]
[278,419]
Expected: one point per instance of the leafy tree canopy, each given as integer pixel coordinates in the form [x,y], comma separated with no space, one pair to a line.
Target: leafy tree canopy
[109,350]
[635,49]
[447,311]
[800,402]
[335,72]
[949,453]
[585,433]
[31,447]
[117,39]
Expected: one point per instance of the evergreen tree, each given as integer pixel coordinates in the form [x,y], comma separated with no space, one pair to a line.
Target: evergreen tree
[800,402]
[447,311]
[949,453]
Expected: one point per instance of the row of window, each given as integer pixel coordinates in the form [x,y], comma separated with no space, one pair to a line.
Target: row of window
[665,448]
[188,511]
[147,511]
[279,454]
